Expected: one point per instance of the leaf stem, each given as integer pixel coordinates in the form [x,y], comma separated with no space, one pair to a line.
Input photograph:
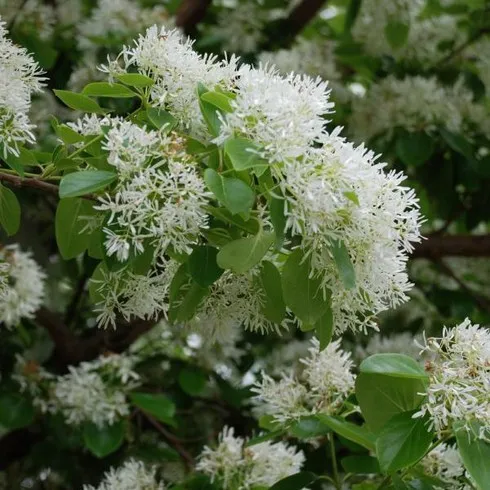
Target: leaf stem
[336,479]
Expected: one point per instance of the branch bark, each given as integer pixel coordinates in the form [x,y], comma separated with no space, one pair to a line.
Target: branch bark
[190,13]
[302,14]
[437,246]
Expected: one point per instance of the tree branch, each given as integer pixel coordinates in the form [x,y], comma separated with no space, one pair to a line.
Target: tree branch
[437,246]
[190,13]
[302,14]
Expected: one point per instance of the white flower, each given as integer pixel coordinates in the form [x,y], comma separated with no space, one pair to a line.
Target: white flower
[444,462]
[459,378]
[132,475]
[284,125]
[322,387]
[340,192]
[233,465]
[177,70]
[96,391]
[19,79]
[21,285]
[133,295]
[35,14]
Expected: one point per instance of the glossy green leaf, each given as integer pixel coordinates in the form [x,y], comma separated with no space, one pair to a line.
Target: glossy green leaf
[381,397]
[203,266]
[192,381]
[403,441]
[308,427]
[396,33]
[161,118]
[414,149]
[79,102]
[85,182]
[69,224]
[295,482]
[242,254]
[221,101]
[9,211]
[102,441]
[155,404]
[302,294]
[360,464]
[278,219]
[324,327]
[68,135]
[16,410]
[398,365]
[274,308]
[243,154]
[475,453]
[135,80]
[344,265]
[25,158]
[232,193]
[105,89]
[358,434]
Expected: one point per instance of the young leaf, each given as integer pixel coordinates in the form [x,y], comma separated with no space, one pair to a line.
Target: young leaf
[203,266]
[79,102]
[156,405]
[102,441]
[135,80]
[396,33]
[233,193]
[243,154]
[475,453]
[104,89]
[403,441]
[352,432]
[68,226]
[398,365]
[274,308]
[16,411]
[242,254]
[344,264]
[221,101]
[9,211]
[302,293]
[84,182]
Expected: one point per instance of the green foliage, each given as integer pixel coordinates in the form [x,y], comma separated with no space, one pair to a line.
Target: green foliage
[84,182]
[79,102]
[102,441]
[9,211]
[16,411]
[156,405]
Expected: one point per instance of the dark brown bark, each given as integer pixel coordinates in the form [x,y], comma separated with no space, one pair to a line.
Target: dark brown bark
[438,246]
[302,15]
[190,13]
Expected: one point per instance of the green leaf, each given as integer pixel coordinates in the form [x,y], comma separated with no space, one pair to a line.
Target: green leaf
[344,264]
[403,441]
[352,196]
[396,33]
[381,397]
[352,432]
[308,427]
[68,136]
[79,102]
[360,464]
[95,282]
[398,365]
[242,254]
[102,441]
[278,219]
[68,225]
[135,80]
[203,266]
[303,294]
[18,162]
[324,328]
[414,149]
[9,211]
[475,453]
[16,411]
[232,193]
[295,482]
[192,381]
[85,182]
[458,143]
[221,101]
[264,437]
[274,308]
[155,404]
[243,154]
[104,89]
[161,118]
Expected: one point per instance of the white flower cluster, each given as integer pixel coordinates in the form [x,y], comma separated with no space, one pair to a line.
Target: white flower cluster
[480,53]
[425,34]
[444,462]
[19,79]
[235,466]
[36,15]
[415,104]
[21,285]
[132,475]
[459,378]
[322,387]
[95,391]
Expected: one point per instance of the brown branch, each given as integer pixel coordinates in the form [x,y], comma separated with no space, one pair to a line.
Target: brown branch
[302,14]
[190,13]
[17,181]
[437,246]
